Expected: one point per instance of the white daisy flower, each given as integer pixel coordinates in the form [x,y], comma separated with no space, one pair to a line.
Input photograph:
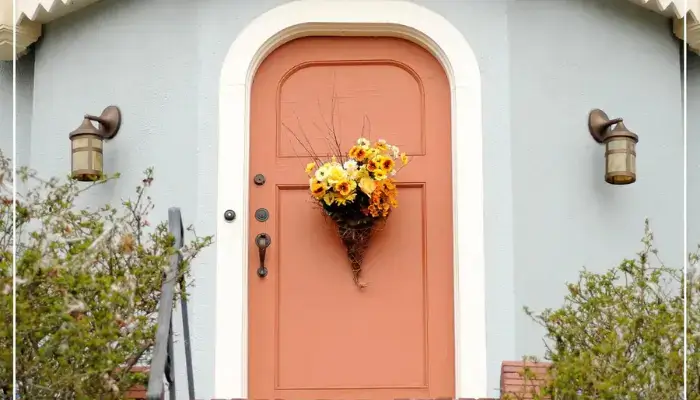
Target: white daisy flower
[363,142]
[350,166]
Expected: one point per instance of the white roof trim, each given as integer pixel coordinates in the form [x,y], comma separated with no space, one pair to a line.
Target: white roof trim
[673,8]
[31,14]
[43,11]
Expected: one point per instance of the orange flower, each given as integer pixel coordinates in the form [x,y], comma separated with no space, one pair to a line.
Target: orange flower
[372,166]
[361,154]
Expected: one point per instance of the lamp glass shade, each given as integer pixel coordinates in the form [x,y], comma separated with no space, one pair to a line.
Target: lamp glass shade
[620,160]
[86,157]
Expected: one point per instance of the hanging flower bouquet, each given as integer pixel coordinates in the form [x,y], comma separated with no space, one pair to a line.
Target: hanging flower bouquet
[357,192]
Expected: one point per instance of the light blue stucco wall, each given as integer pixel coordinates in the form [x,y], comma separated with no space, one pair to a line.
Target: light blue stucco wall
[565,60]
[25,89]
[6,108]
[544,65]
[693,151]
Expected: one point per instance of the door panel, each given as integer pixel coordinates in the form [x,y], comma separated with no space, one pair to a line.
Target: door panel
[312,333]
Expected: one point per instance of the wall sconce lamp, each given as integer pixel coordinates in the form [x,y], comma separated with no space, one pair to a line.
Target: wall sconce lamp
[620,147]
[87,143]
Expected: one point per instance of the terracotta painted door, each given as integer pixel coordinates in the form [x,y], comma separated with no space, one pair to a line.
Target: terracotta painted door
[312,333]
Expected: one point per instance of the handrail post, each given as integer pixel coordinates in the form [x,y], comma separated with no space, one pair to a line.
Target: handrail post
[162,362]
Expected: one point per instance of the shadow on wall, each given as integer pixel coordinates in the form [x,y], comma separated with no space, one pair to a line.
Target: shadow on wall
[6,108]
[693,150]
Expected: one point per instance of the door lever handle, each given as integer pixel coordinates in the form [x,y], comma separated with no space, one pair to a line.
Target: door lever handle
[263,241]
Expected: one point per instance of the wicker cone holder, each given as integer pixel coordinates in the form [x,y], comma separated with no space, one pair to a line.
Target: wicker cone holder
[355,238]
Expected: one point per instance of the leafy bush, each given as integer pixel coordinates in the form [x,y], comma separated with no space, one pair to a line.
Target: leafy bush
[6,241]
[619,334]
[88,287]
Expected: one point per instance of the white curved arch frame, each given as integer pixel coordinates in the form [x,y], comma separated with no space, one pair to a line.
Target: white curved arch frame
[349,17]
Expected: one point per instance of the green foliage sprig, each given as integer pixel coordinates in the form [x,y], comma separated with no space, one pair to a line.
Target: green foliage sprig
[619,334]
[88,286]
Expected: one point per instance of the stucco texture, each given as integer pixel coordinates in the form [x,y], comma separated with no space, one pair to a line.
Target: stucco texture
[544,64]
[693,151]
[6,108]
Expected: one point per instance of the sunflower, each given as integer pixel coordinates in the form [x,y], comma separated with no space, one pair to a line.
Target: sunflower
[404,158]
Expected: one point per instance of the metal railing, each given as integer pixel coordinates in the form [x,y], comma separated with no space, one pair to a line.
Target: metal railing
[162,362]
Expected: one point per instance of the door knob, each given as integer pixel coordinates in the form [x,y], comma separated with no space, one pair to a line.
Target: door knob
[263,241]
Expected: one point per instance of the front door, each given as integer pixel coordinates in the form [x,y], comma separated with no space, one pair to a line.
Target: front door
[312,333]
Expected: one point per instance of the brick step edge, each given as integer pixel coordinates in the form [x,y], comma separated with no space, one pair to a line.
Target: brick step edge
[512,382]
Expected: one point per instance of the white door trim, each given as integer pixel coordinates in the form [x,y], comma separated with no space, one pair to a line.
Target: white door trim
[396,18]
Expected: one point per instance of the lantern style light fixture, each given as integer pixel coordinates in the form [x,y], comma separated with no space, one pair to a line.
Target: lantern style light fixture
[87,144]
[620,147]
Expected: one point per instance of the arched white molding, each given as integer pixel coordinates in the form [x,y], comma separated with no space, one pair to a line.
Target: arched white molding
[396,18]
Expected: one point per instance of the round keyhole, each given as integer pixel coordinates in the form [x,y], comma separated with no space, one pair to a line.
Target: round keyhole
[261,214]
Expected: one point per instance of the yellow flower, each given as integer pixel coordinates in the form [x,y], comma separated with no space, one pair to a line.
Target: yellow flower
[336,174]
[344,200]
[329,198]
[387,164]
[362,173]
[367,185]
[310,167]
[404,158]
[318,189]
[381,145]
[345,188]
[379,175]
[358,153]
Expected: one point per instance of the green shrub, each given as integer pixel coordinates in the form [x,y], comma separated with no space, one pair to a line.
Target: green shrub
[620,334]
[88,287]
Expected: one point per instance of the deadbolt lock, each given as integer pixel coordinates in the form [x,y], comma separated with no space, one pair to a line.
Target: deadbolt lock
[261,214]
